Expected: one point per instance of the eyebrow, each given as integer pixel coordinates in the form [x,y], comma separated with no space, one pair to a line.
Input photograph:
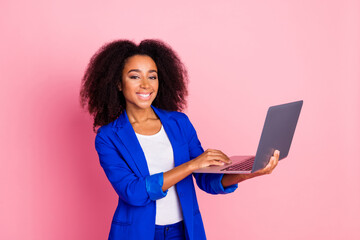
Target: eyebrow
[138,70]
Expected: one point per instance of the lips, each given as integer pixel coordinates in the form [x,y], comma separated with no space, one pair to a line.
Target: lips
[144,96]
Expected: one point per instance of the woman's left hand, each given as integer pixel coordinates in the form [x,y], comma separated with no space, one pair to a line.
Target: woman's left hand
[270,166]
[230,179]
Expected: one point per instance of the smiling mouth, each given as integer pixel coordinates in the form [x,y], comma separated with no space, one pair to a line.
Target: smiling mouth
[144,95]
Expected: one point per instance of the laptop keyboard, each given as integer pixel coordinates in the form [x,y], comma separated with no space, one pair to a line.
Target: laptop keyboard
[241,166]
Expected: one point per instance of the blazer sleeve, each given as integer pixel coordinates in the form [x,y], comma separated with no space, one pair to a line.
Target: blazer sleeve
[208,182]
[134,190]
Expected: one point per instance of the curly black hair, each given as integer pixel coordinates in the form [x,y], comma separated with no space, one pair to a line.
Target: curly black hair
[99,90]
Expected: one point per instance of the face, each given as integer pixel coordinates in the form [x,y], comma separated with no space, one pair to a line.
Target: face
[139,82]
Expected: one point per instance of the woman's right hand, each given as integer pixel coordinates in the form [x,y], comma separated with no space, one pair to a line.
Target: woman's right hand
[208,158]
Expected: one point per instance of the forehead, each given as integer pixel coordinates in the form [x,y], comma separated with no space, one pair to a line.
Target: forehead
[141,62]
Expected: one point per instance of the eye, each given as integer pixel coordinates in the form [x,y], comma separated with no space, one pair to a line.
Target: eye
[134,77]
[153,77]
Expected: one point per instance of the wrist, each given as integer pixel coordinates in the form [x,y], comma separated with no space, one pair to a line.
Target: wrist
[191,166]
[242,177]
[230,179]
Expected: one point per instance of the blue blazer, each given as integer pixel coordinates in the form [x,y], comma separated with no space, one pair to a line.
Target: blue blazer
[125,166]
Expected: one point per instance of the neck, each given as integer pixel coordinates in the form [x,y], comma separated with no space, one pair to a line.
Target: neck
[139,115]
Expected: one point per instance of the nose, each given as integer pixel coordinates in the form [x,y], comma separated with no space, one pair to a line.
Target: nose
[144,83]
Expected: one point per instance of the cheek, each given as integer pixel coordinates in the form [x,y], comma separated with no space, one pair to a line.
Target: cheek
[156,85]
[128,87]
[127,91]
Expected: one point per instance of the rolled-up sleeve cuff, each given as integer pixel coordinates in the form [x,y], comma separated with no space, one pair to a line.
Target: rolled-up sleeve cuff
[154,185]
[218,187]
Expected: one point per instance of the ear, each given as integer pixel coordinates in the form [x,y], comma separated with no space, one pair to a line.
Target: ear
[119,87]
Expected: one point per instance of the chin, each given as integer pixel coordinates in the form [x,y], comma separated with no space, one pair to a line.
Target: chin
[144,105]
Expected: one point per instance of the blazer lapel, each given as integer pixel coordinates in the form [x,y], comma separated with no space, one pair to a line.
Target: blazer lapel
[172,131]
[128,138]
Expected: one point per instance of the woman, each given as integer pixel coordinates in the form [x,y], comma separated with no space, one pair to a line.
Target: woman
[146,146]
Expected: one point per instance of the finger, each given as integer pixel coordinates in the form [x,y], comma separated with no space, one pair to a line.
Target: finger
[277,157]
[223,154]
[218,155]
[211,150]
[277,154]
[219,158]
[215,151]
[271,162]
[216,163]
[274,163]
[270,166]
[224,159]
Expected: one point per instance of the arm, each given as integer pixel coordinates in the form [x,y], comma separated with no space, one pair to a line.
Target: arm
[207,158]
[210,183]
[134,190]
[214,157]
[175,175]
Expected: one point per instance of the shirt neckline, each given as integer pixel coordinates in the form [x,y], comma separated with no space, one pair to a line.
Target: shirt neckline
[154,135]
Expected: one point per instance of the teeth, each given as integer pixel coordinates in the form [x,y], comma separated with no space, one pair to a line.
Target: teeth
[144,95]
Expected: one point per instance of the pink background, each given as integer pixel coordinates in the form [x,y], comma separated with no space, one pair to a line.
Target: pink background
[242,57]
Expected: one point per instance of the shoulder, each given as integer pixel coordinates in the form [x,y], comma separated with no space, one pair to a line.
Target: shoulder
[179,117]
[105,131]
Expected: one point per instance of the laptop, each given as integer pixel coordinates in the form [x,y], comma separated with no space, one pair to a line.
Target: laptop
[277,134]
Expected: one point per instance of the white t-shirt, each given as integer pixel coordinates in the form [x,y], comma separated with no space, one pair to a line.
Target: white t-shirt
[160,158]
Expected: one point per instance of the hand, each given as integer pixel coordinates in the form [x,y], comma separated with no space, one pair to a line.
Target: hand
[208,158]
[271,165]
[230,179]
